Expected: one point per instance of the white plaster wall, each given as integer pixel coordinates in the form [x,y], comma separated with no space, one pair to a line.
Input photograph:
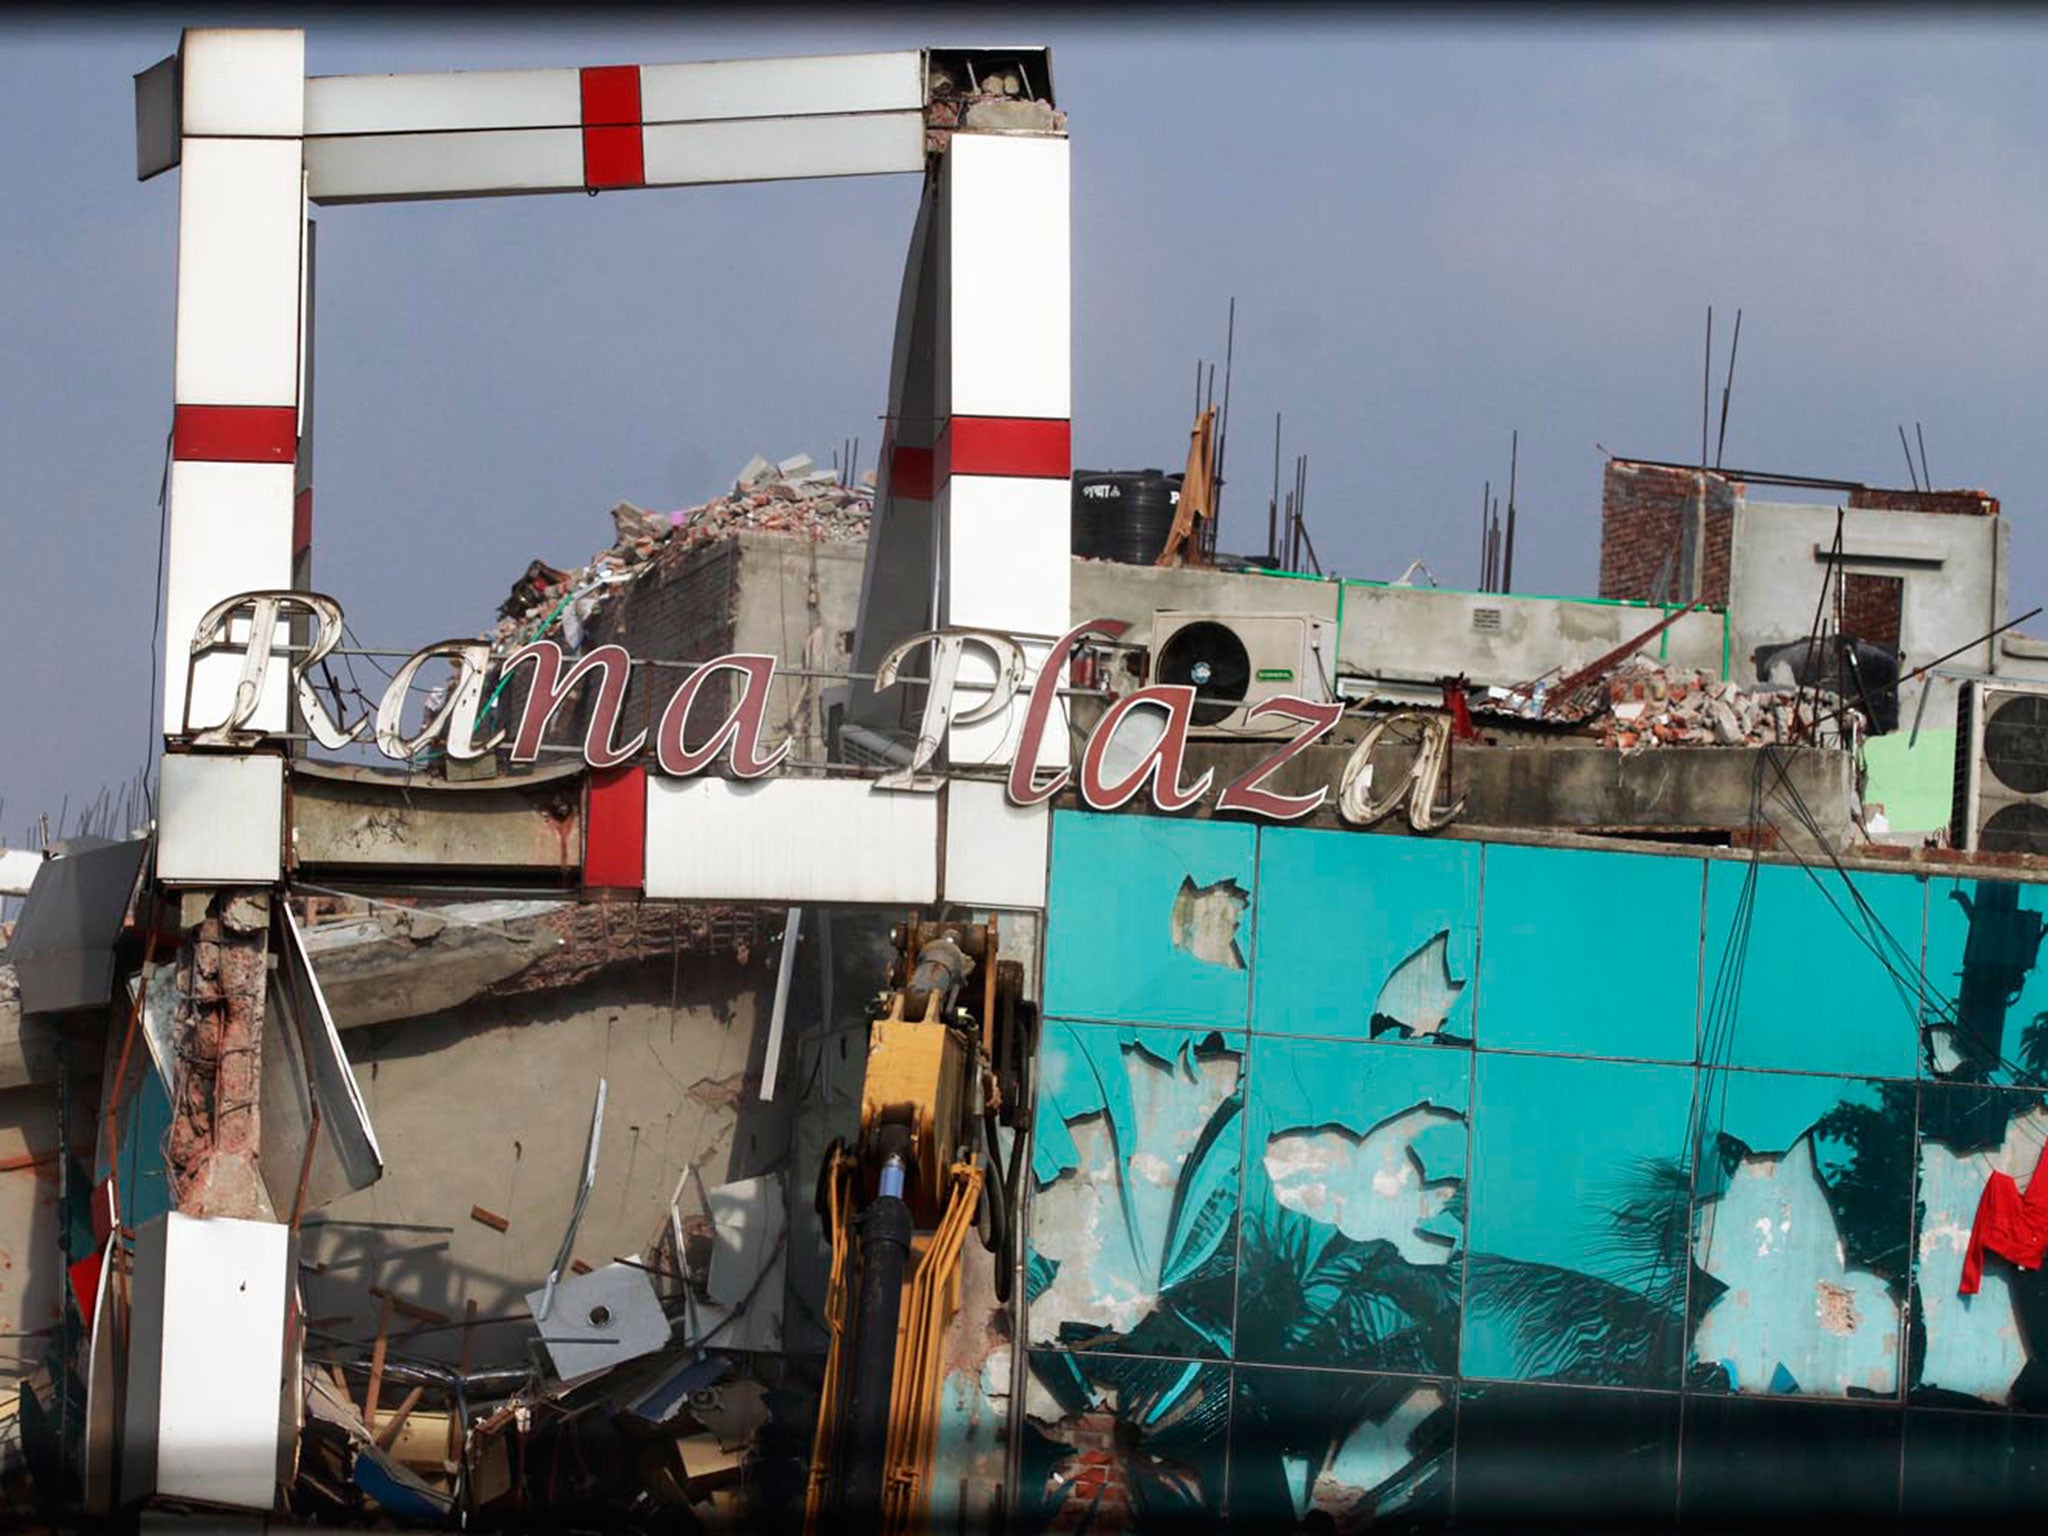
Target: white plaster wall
[488,1104]
[31,1269]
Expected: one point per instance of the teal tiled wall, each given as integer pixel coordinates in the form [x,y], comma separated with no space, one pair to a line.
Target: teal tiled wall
[1427,1183]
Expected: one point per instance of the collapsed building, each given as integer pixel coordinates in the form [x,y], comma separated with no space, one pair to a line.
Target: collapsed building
[506,1138]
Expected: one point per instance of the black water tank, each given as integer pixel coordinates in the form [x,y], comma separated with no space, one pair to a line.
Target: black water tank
[1124,514]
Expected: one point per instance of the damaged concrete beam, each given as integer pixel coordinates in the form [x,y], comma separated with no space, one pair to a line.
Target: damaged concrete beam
[401,963]
[349,819]
[1580,789]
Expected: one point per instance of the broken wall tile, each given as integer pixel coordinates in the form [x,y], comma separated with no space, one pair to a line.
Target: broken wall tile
[1978,1350]
[1208,922]
[1580,1209]
[1801,1234]
[1791,1315]
[1986,1013]
[1528,1454]
[1135,913]
[1114,1443]
[1138,1151]
[1343,914]
[1813,997]
[1585,954]
[1353,1245]
[1352,1449]
[1804,1190]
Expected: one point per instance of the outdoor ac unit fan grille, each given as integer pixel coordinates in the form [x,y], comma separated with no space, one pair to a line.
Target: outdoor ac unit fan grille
[1212,660]
[1235,661]
[2016,743]
[2007,733]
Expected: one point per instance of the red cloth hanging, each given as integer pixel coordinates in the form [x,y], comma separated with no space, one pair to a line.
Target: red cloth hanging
[2010,1224]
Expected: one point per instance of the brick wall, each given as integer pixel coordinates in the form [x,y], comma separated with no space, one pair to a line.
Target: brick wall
[1960,503]
[1644,511]
[1872,607]
[680,611]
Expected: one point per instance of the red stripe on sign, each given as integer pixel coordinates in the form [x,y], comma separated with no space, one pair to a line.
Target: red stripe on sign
[1030,448]
[235,434]
[612,157]
[615,829]
[613,154]
[910,473]
[302,521]
[611,96]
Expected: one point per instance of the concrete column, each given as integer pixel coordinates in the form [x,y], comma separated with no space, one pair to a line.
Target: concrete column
[215,1122]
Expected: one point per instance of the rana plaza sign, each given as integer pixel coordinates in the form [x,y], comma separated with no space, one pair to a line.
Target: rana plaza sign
[1139,744]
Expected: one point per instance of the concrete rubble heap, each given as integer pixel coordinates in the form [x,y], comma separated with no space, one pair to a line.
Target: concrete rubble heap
[792,497]
[1649,705]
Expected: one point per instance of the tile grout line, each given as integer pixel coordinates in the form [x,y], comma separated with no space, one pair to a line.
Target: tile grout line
[1695,1116]
[1471,1186]
[1244,1114]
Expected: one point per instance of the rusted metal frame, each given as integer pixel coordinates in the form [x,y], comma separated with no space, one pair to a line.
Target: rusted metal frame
[376,1367]
[1748,476]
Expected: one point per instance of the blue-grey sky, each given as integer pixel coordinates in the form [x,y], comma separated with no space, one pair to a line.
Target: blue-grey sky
[1436,231]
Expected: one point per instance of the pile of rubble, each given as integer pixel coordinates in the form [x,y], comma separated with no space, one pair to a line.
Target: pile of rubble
[652,1415]
[1648,705]
[793,497]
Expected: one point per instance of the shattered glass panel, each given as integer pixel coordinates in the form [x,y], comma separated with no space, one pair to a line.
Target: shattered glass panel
[1527,1456]
[1589,953]
[1989,1349]
[1814,996]
[1353,1250]
[1113,1443]
[1340,1450]
[1985,1018]
[1136,1160]
[1758,1463]
[1800,1234]
[1579,1214]
[1366,936]
[1149,920]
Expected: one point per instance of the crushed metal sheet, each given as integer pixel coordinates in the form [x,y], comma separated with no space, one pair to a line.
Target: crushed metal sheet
[306,1076]
[749,1221]
[160,1019]
[674,1390]
[600,1320]
[583,1188]
[63,944]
